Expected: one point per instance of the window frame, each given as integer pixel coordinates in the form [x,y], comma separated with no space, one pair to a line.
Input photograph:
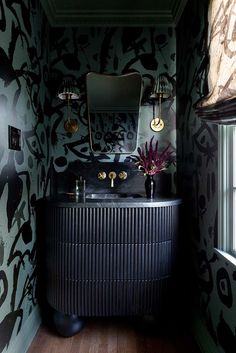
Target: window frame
[226,189]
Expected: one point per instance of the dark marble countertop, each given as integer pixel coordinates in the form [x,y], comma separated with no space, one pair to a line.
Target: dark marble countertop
[65,200]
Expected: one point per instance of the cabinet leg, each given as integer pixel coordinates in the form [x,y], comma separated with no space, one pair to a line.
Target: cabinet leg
[67,325]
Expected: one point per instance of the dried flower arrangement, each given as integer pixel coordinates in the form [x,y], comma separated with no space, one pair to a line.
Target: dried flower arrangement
[150,161]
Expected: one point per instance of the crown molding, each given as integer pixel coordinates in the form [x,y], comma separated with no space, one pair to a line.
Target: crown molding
[107,18]
[83,17]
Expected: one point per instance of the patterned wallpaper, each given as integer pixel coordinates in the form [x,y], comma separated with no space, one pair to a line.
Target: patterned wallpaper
[26,85]
[214,290]
[77,51]
[24,76]
[25,104]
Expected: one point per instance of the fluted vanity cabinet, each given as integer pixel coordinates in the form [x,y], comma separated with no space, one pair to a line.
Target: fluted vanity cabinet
[110,258]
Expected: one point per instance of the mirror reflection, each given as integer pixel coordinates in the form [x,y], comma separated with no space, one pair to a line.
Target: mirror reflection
[113,111]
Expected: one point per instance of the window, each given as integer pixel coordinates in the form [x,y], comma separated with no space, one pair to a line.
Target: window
[227,189]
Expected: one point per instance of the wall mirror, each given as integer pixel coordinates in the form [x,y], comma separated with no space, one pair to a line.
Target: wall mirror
[113,111]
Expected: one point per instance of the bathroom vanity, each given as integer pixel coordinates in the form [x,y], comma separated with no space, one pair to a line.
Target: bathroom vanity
[110,256]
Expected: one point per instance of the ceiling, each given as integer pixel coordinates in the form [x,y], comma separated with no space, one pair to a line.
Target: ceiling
[113,12]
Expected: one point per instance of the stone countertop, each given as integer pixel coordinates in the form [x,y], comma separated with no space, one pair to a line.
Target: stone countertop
[63,200]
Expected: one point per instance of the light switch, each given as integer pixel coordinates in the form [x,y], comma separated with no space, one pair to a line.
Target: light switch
[14,138]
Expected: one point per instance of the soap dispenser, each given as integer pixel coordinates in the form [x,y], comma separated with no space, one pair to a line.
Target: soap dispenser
[80,186]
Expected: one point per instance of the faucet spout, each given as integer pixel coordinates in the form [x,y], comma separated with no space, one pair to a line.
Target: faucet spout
[112,176]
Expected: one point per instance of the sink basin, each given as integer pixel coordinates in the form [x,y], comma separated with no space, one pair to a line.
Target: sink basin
[100,196]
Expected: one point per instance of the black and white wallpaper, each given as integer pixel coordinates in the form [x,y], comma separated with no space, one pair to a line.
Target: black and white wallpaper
[32,66]
[24,73]
[214,290]
[33,61]
[77,51]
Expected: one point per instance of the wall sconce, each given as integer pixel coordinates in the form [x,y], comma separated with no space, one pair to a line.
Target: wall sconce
[69,91]
[161,89]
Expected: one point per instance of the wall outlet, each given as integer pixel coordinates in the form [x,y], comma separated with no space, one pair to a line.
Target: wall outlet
[14,138]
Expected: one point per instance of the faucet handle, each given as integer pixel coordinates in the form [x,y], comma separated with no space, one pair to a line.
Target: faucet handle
[112,176]
[102,175]
[123,175]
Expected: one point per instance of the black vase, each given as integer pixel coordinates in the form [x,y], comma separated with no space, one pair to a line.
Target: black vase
[150,185]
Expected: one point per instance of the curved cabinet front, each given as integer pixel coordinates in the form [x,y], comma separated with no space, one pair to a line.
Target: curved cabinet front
[105,261]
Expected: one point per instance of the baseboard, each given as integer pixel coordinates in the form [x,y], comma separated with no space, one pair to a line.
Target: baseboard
[23,340]
[202,337]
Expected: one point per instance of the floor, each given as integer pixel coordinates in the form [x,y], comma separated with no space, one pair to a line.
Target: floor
[115,336]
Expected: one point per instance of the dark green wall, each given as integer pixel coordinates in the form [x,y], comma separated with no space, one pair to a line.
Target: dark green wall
[77,51]
[28,102]
[211,280]
[24,74]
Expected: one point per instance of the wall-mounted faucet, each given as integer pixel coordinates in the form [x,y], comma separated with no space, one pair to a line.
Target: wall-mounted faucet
[112,176]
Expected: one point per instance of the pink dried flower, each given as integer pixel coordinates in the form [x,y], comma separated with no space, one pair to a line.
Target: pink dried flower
[150,161]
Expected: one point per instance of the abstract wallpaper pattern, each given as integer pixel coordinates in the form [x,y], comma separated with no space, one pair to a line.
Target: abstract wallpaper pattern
[24,76]
[26,87]
[77,51]
[25,104]
[215,288]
